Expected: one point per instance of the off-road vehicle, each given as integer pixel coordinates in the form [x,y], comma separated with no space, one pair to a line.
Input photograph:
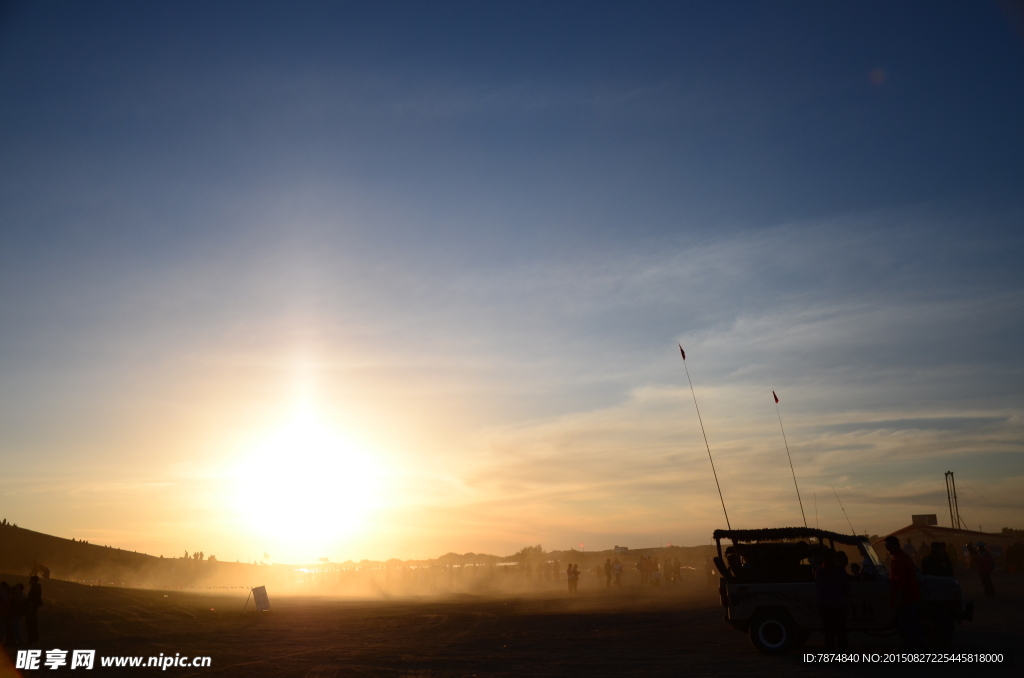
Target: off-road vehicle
[768,590]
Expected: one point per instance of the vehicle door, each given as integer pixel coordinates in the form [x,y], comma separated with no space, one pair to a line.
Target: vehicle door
[869,608]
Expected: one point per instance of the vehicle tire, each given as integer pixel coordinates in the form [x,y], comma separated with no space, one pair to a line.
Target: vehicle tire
[773,632]
[938,628]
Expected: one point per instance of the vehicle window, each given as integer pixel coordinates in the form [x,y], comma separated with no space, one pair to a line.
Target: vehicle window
[869,551]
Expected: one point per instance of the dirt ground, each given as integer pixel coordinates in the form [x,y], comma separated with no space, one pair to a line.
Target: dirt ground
[597,632]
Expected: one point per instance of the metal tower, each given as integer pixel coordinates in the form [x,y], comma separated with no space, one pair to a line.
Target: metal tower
[954,508]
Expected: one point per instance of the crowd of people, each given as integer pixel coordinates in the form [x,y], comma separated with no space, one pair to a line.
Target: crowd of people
[612,569]
[654,574]
[572,577]
[904,563]
[652,570]
[941,559]
[833,584]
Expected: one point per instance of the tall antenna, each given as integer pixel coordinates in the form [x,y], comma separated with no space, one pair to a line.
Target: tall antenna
[852,531]
[790,459]
[694,394]
[816,511]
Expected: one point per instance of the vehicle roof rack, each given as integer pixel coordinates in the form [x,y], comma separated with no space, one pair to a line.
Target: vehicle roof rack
[777,533]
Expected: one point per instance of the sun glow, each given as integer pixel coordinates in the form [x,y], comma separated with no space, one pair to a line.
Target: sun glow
[305,487]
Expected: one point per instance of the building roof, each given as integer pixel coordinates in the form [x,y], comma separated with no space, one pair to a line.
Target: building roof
[936,533]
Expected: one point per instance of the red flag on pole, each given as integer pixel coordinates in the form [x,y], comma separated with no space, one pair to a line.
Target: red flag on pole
[682,352]
[776,397]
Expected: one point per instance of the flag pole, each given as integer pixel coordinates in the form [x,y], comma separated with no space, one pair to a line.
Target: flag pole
[801,501]
[715,473]
[852,531]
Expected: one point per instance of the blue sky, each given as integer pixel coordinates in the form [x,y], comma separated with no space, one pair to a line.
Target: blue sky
[470,235]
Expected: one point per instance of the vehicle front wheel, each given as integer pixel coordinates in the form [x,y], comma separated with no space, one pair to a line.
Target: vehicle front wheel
[773,632]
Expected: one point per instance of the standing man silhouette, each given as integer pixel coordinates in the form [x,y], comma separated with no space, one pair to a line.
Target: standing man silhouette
[986,563]
[32,605]
[904,593]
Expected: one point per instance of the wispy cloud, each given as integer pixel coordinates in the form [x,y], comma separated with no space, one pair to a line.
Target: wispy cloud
[545,395]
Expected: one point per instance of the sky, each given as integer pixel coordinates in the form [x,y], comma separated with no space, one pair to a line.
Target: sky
[373,280]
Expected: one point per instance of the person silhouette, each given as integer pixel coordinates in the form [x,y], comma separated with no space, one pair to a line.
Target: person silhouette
[18,602]
[986,563]
[904,593]
[937,563]
[833,588]
[608,573]
[710,571]
[32,605]
[5,612]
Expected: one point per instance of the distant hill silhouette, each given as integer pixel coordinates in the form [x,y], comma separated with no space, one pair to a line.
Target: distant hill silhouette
[73,560]
[20,547]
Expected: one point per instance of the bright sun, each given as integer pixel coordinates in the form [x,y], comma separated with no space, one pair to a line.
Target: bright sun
[305,487]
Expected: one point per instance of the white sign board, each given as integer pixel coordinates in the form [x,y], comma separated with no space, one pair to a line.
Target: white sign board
[259,594]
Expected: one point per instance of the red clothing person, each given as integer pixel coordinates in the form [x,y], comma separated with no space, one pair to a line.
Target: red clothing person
[903,588]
